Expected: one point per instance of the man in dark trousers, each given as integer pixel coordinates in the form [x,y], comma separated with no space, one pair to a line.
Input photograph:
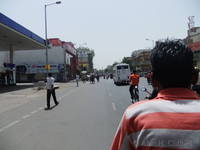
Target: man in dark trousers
[50,91]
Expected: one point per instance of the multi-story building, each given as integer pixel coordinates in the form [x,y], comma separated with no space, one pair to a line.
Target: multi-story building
[72,65]
[193,41]
[141,60]
[85,59]
[31,65]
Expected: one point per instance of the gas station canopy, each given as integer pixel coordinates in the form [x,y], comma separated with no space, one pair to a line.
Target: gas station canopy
[17,36]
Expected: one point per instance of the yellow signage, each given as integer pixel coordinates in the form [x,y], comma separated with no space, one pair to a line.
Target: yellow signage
[85,65]
[48,67]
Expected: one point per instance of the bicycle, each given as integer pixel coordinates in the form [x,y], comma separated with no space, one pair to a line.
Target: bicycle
[134,93]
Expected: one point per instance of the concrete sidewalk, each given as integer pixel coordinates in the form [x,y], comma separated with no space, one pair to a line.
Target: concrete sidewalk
[28,87]
[12,88]
[26,90]
[15,96]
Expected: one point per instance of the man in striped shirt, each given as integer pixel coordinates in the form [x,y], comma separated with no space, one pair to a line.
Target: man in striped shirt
[171,121]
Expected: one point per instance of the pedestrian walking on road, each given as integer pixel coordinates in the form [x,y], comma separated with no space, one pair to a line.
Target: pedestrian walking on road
[97,77]
[50,91]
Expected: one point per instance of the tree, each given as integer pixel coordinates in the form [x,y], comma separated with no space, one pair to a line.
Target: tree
[128,60]
[115,63]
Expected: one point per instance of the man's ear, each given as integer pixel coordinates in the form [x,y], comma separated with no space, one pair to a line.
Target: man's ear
[195,76]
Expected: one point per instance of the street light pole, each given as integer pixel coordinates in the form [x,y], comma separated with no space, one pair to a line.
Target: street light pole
[46,43]
[46,39]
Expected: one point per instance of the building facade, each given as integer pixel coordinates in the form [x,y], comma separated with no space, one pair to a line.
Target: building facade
[193,41]
[14,37]
[85,59]
[141,60]
[72,65]
[31,65]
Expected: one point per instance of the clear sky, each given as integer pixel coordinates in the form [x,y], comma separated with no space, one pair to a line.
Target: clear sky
[113,28]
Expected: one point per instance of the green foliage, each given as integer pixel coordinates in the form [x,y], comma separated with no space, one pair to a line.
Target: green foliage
[128,60]
[115,63]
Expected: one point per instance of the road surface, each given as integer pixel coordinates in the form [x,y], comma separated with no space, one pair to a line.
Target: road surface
[86,118]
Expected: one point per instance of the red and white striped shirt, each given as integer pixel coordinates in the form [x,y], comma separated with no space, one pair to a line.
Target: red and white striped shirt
[170,121]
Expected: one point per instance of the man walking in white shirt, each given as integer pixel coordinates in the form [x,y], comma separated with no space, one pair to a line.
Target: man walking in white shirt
[50,91]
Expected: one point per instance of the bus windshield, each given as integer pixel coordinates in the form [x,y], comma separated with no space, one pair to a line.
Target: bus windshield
[122,67]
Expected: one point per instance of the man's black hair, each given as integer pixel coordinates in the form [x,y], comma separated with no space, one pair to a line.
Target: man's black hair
[134,71]
[49,74]
[172,64]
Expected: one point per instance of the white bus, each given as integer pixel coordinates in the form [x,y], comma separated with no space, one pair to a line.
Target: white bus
[121,73]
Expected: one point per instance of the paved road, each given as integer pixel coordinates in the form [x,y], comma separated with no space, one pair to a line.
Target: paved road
[86,118]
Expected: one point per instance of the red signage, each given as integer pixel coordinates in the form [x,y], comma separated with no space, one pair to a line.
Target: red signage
[55,42]
[195,46]
[69,47]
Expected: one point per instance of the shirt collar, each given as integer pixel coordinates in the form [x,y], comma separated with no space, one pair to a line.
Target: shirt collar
[177,94]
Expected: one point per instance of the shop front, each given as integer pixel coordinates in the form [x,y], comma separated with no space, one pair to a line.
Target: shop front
[38,72]
[14,37]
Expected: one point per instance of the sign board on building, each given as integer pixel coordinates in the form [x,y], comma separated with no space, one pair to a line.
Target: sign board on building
[41,68]
[68,46]
[48,67]
[85,65]
[8,66]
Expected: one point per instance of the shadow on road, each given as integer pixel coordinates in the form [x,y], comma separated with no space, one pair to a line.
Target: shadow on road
[4,89]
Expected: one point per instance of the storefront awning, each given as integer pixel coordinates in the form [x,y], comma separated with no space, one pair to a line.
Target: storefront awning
[12,33]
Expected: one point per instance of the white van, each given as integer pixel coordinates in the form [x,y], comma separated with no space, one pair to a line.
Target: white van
[121,73]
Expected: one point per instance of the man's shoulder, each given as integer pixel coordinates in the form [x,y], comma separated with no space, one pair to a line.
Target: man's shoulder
[137,75]
[132,75]
[143,107]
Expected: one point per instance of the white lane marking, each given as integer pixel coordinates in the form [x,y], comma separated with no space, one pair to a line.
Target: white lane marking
[29,115]
[35,111]
[62,96]
[114,107]
[26,116]
[9,125]
[40,108]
